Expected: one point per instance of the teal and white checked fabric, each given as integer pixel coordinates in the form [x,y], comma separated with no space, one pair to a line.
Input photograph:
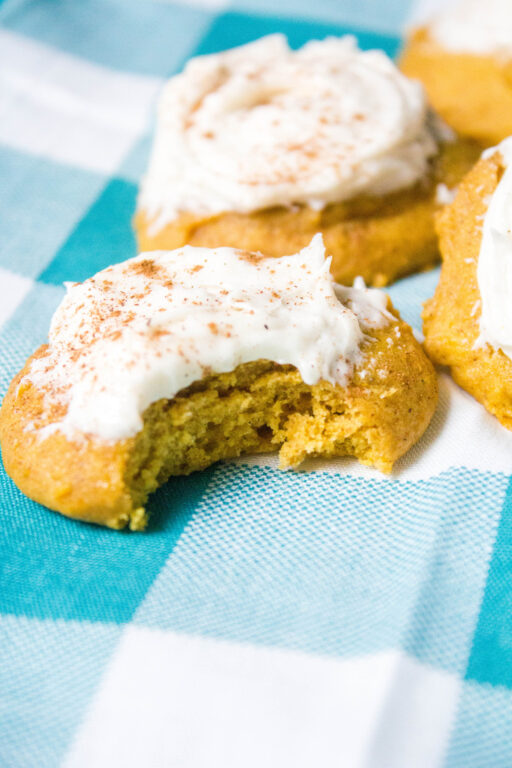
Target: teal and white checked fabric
[336,618]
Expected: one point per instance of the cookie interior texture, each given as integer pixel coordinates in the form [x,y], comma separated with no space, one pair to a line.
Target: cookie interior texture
[472,93]
[259,407]
[451,317]
[377,238]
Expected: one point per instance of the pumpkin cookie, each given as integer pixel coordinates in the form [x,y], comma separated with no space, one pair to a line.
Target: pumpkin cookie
[260,147]
[463,57]
[170,361]
[468,322]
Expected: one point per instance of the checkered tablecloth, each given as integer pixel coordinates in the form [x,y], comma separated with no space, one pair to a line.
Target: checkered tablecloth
[266,619]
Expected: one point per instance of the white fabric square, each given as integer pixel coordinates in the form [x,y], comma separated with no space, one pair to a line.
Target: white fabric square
[13,289]
[199,703]
[67,109]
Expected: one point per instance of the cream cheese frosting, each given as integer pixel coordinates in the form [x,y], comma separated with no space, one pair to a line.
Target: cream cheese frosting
[481,27]
[262,125]
[494,270]
[148,327]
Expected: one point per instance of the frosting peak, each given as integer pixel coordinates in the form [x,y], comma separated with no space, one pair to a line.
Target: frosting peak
[262,125]
[148,327]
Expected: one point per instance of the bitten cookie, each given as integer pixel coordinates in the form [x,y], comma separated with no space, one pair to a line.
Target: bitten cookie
[463,57]
[170,361]
[260,147]
[468,322]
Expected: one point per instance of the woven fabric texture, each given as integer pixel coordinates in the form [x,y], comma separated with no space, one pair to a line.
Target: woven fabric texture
[329,618]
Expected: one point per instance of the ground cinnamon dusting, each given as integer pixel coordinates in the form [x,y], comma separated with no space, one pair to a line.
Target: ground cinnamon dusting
[158,332]
[146,267]
[252,258]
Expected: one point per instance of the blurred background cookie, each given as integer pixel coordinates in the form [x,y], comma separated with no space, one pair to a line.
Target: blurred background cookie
[260,147]
[463,57]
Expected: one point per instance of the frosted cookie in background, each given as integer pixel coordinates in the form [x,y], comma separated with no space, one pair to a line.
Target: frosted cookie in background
[463,56]
[260,147]
[170,361]
[468,322]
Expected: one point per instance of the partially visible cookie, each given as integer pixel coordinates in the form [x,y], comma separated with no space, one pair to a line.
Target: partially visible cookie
[468,322]
[168,362]
[463,57]
[261,147]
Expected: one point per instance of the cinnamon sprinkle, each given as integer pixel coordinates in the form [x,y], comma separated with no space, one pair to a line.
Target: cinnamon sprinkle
[146,267]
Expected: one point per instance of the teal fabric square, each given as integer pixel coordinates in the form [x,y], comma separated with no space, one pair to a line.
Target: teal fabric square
[231,29]
[47,685]
[40,204]
[52,567]
[481,735]
[386,17]
[491,654]
[103,236]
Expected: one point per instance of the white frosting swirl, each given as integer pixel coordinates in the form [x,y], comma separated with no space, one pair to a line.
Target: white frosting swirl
[148,327]
[262,125]
[495,261]
[481,27]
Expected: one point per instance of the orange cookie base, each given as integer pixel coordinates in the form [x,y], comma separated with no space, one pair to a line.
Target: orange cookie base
[451,317]
[473,94]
